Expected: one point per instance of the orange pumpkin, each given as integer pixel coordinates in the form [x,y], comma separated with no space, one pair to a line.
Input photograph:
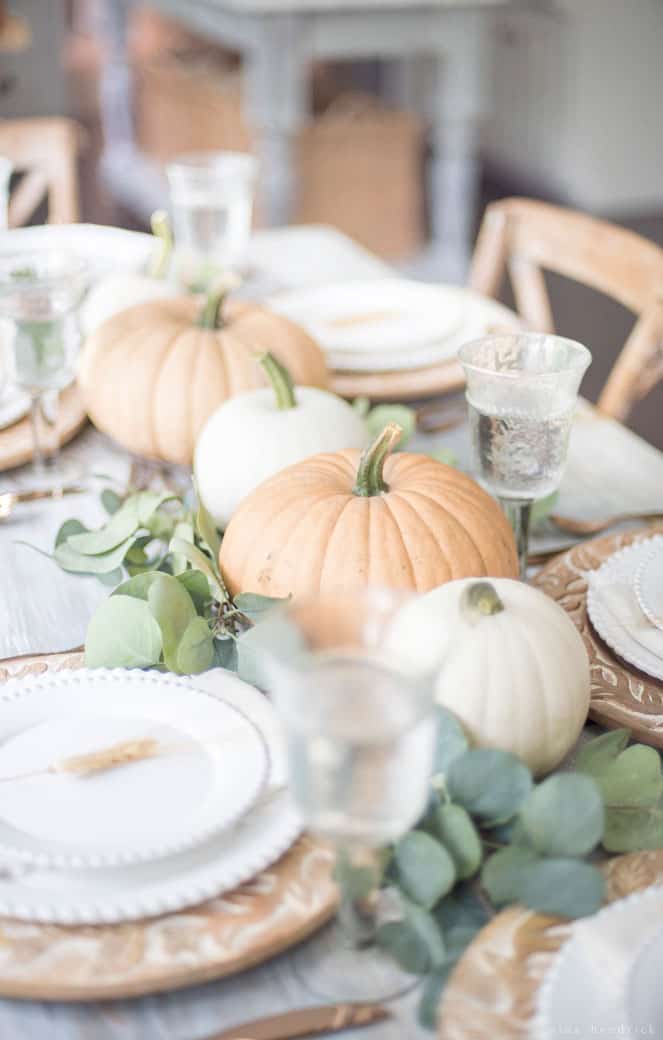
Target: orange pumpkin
[340,521]
[153,374]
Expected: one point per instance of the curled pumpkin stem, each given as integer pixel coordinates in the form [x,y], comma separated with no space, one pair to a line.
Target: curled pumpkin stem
[163,234]
[281,381]
[480,599]
[370,472]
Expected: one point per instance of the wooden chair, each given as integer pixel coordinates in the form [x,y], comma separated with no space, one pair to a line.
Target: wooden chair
[527,237]
[46,151]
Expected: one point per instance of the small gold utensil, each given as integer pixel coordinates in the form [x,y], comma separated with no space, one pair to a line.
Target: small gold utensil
[312,1021]
[10,499]
[587,527]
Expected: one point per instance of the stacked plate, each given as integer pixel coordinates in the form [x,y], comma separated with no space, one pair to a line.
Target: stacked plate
[198,806]
[391,324]
[625,604]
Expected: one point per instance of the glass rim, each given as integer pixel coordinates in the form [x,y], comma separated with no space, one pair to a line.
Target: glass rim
[579,360]
[73,267]
[202,162]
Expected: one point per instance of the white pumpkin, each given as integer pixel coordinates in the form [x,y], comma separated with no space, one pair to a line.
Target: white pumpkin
[514,668]
[252,436]
[118,292]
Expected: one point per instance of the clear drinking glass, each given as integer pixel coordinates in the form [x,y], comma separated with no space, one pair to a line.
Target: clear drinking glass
[40,293]
[361,729]
[212,204]
[5,178]
[521,391]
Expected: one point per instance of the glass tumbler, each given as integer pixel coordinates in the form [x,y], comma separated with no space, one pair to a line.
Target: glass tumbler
[521,392]
[40,292]
[360,727]
[211,197]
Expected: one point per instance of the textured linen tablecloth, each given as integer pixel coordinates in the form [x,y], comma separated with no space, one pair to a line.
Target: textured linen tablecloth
[43,609]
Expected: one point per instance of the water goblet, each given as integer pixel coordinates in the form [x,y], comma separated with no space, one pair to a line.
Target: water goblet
[212,203]
[360,727]
[40,293]
[521,392]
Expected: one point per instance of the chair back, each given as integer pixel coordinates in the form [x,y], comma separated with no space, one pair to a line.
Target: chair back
[45,151]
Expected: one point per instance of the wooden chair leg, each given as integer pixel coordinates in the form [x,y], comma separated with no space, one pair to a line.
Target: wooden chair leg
[490,254]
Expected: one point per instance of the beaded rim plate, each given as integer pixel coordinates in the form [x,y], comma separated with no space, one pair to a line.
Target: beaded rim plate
[648,584]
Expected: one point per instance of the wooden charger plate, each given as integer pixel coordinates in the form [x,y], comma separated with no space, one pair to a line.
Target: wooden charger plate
[280,907]
[405,385]
[16,440]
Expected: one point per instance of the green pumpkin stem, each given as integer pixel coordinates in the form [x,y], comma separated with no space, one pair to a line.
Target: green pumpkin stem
[281,381]
[370,472]
[163,233]
[480,599]
[211,315]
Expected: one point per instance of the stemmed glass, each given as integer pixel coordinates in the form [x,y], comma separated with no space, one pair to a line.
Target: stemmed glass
[40,293]
[522,390]
[361,729]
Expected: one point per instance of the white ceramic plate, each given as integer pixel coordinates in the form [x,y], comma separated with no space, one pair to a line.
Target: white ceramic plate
[585,993]
[107,249]
[620,569]
[390,324]
[648,583]
[14,404]
[161,886]
[215,766]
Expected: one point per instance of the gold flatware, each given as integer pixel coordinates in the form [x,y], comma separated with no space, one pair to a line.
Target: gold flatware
[313,1021]
[587,527]
[10,499]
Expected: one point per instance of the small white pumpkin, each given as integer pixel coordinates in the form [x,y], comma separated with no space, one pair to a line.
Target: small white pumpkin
[514,669]
[118,292]
[252,436]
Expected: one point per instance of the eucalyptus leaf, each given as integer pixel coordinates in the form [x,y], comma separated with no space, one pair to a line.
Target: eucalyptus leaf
[173,609]
[200,562]
[602,751]
[564,815]
[183,530]
[490,784]
[197,585]
[451,740]
[104,563]
[122,634]
[147,503]
[406,947]
[564,887]
[461,910]
[629,830]
[206,528]
[254,606]
[111,501]
[138,586]
[355,881]
[112,578]
[225,655]
[632,779]
[460,838]
[503,874]
[120,527]
[195,651]
[424,869]
[405,417]
[424,925]
[274,638]
[431,993]
[68,528]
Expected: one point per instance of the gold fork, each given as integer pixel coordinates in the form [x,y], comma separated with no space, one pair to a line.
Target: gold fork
[10,499]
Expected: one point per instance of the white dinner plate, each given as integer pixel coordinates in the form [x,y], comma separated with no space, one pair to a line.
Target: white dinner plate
[160,886]
[648,583]
[390,324]
[106,249]
[213,767]
[589,990]
[614,612]
[14,405]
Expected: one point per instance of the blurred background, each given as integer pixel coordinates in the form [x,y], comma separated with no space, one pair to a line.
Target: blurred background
[568,109]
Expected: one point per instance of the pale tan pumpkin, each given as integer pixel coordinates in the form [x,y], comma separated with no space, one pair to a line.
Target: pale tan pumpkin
[153,374]
[344,520]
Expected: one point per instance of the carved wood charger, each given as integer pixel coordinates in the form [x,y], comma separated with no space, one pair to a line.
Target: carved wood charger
[278,908]
[16,440]
[492,991]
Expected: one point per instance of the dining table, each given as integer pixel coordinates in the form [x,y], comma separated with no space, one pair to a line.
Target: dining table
[44,610]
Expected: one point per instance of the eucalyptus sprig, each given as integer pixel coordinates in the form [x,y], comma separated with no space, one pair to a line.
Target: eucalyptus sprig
[171,608]
[492,837]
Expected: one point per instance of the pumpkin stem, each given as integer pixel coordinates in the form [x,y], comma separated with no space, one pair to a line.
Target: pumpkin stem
[281,381]
[370,472]
[480,599]
[163,234]
[211,316]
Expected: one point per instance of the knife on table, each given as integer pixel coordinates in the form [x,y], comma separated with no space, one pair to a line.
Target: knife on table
[312,1021]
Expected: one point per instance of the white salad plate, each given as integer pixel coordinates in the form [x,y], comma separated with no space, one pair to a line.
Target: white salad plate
[614,611]
[391,323]
[648,583]
[126,893]
[212,765]
[594,987]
